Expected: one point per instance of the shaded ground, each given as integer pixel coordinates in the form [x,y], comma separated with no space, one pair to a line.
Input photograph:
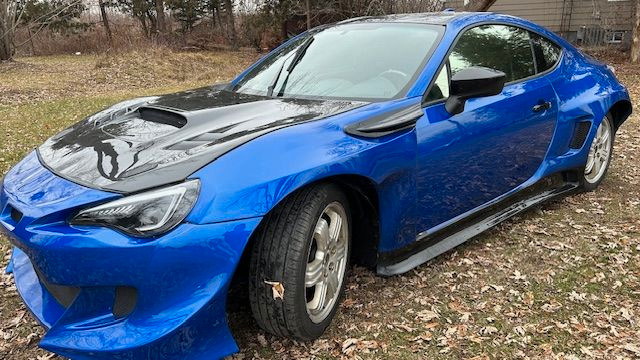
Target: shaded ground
[561,281]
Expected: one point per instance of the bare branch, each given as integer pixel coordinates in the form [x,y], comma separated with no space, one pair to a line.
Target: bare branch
[479,5]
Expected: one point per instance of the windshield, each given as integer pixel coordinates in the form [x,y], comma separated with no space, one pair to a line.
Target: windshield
[376,61]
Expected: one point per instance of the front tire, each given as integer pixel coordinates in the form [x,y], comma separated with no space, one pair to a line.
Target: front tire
[304,245]
[600,153]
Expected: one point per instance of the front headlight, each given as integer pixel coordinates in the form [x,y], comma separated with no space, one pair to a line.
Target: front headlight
[146,214]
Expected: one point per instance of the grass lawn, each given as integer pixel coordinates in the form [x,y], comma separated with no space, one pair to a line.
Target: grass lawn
[561,281]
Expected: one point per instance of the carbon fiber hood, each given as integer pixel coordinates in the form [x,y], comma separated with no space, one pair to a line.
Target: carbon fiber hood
[153,141]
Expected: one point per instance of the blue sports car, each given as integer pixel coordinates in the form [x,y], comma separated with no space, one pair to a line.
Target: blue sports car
[384,141]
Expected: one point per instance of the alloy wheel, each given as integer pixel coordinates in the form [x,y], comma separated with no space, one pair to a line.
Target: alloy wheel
[327,260]
[599,153]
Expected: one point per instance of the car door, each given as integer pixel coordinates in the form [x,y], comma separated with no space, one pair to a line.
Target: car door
[497,143]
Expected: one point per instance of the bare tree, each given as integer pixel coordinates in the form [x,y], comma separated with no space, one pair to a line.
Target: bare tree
[308,13]
[479,5]
[415,6]
[162,25]
[105,20]
[8,20]
[635,46]
[228,7]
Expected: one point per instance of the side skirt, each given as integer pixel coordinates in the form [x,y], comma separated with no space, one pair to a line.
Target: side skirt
[431,244]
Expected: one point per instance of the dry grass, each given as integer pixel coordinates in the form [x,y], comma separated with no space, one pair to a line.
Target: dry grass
[37,79]
[562,281]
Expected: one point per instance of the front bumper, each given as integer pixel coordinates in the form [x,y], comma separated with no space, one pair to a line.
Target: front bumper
[172,289]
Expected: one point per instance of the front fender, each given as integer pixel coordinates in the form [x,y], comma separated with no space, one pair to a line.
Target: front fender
[252,179]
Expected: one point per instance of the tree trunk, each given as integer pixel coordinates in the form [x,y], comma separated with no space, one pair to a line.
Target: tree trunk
[308,9]
[105,20]
[7,22]
[216,14]
[6,48]
[635,46]
[162,25]
[153,23]
[284,29]
[479,5]
[228,7]
[33,47]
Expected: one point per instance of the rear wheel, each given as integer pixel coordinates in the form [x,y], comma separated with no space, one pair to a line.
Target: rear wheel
[299,263]
[599,156]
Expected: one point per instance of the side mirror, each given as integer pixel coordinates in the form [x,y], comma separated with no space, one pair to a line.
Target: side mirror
[471,83]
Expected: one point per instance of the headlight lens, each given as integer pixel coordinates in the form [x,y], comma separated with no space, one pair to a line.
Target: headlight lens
[146,214]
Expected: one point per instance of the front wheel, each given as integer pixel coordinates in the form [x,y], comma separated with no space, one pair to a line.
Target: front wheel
[599,156]
[299,263]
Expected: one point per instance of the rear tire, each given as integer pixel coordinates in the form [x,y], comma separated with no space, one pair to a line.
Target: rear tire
[304,244]
[600,153]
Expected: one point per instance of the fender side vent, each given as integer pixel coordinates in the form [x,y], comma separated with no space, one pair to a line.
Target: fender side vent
[16,215]
[162,116]
[580,133]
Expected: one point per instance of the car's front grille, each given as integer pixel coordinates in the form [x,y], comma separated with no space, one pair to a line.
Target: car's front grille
[64,295]
[125,301]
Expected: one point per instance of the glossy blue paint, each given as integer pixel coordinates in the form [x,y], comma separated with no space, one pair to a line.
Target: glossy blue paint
[425,177]
[469,159]
[181,278]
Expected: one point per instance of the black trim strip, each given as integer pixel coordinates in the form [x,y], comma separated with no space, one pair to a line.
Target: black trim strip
[387,123]
[431,244]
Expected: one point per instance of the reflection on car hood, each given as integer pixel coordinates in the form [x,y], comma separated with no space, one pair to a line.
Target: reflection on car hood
[153,141]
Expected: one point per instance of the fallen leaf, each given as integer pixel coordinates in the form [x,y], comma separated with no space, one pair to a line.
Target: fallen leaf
[277,288]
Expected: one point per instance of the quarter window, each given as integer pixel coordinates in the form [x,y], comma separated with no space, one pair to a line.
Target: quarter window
[440,88]
[500,47]
[547,53]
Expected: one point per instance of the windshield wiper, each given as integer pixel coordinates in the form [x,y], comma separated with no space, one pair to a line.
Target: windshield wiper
[296,59]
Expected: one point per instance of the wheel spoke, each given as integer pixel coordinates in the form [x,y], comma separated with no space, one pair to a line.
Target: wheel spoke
[332,284]
[313,275]
[590,164]
[321,296]
[604,138]
[321,235]
[596,165]
[318,297]
[335,227]
[341,250]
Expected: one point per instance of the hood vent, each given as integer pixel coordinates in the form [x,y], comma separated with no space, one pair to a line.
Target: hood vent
[161,116]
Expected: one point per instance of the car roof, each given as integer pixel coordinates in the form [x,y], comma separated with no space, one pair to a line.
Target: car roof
[433,18]
[458,20]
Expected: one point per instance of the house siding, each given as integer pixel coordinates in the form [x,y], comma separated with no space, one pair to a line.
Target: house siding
[579,14]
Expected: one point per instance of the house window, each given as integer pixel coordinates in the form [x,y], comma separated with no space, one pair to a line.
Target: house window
[615,37]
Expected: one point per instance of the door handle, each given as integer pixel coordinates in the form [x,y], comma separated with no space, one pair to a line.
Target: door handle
[542,106]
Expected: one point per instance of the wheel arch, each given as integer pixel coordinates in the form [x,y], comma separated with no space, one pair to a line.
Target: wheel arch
[620,111]
[364,207]
[362,195]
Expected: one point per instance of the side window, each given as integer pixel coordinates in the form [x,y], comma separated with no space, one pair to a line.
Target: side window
[547,53]
[440,89]
[500,47]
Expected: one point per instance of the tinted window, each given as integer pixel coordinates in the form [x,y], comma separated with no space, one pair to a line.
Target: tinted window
[547,53]
[374,61]
[499,47]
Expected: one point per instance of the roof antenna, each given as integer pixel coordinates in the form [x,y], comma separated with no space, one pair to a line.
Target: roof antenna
[449,10]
